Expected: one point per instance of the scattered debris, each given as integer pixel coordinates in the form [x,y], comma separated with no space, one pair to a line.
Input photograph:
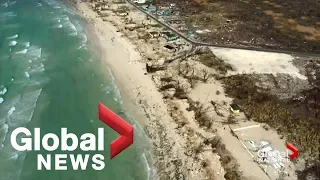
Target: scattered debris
[235,109]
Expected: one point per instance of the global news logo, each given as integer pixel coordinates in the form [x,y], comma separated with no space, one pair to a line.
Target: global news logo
[269,156]
[87,142]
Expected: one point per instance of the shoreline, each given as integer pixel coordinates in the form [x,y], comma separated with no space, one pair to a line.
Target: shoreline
[127,104]
[119,78]
[131,80]
[170,149]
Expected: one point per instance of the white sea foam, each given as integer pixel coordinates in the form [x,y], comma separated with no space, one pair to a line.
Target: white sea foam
[82,46]
[1,100]
[65,18]
[57,26]
[57,7]
[5,108]
[14,156]
[3,132]
[11,110]
[73,29]
[16,25]
[39,5]
[35,51]
[106,89]
[12,43]
[22,52]
[10,14]
[112,77]
[80,59]
[3,91]
[12,2]
[27,74]
[39,59]
[68,11]
[73,34]
[5,5]
[116,89]
[37,82]
[39,68]
[117,92]
[27,44]
[13,37]
[30,61]
[83,38]
[4,129]
[78,26]
[144,159]
[25,106]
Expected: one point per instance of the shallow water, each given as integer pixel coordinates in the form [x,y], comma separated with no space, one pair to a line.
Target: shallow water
[51,77]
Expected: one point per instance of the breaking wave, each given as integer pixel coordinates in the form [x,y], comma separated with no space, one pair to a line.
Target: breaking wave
[57,26]
[12,43]
[37,68]
[13,37]
[34,51]
[27,44]
[27,74]
[11,110]
[5,5]
[22,51]
[9,14]
[3,91]
[83,38]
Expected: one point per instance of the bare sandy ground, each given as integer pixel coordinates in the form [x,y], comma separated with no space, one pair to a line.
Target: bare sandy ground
[249,62]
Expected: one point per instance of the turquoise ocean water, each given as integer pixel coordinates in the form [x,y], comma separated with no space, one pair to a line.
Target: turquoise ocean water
[51,77]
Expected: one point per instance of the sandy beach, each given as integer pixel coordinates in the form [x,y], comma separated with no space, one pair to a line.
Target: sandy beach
[142,99]
[190,136]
